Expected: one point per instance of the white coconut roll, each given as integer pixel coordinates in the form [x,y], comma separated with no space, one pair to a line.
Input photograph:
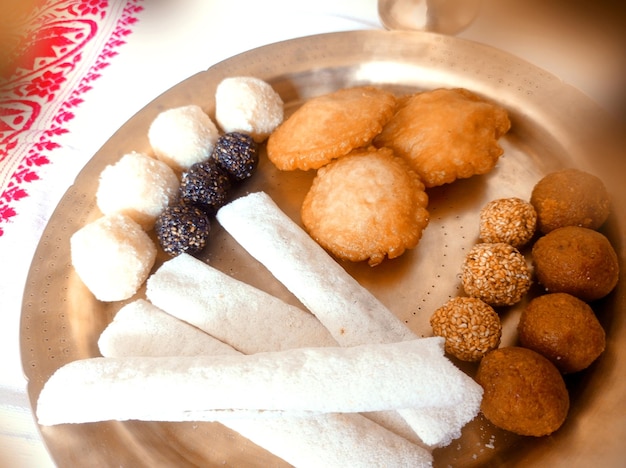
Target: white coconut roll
[142,329]
[248,319]
[333,441]
[377,377]
[241,315]
[350,312]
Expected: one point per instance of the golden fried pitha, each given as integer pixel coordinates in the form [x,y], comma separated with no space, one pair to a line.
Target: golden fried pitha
[330,126]
[446,134]
[366,206]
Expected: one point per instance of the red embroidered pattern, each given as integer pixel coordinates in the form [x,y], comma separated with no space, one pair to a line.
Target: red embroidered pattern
[55,39]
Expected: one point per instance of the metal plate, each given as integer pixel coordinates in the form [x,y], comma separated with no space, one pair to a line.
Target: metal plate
[554,126]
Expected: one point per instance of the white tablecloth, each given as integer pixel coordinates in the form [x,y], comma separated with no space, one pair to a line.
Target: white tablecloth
[131,51]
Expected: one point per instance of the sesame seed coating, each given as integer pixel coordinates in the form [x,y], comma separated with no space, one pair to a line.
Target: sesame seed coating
[497,273]
[206,185]
[509,220]
[470,327]
[182,228]
[237,154]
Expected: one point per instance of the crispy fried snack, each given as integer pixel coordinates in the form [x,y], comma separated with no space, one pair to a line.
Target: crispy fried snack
[446,134]
[366,205]
[330,126]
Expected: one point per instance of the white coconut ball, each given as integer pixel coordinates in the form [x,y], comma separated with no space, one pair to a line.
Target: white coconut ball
[248,105]
[182,136]
[112,256]
[138,186]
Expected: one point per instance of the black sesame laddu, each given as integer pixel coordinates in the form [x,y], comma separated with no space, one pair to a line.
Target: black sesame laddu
[237,154]
[205,185]
[182,228]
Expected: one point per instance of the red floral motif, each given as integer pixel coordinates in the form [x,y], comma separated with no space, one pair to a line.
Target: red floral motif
[45,85]
[54,41]
[6,213]
[16,117]
[92,7]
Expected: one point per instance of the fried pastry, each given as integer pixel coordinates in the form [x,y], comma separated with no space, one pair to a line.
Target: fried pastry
[366,206]
[446,134]
[330,126]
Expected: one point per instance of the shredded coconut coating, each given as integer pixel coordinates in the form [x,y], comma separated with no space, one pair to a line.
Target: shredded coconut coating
[182,136]
[497,273]
[509,220]
[137,186]
[470,327]
[248,105]
[112,256]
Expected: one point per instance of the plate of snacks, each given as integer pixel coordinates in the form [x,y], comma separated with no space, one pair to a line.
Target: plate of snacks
[363,248]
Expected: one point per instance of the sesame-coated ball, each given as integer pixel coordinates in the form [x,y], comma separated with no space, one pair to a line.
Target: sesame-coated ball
[206,185]
[509,220]
[470,327]
[182,228]
[237,154]
[497,273]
